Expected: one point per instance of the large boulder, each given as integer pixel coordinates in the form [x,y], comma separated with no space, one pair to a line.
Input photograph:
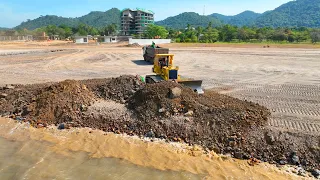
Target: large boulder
[175,93]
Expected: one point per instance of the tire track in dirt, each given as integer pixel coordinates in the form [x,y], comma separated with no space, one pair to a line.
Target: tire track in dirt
[294,125]
[291,106]
[294,107]
[63,62]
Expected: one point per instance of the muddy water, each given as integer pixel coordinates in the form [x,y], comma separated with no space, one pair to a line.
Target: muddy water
[28,153]
[34,160]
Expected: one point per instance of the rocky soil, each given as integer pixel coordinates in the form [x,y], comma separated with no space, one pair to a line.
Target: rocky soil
[164,110]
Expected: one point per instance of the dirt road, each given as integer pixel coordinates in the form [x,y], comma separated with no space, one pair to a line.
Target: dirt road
[285,80]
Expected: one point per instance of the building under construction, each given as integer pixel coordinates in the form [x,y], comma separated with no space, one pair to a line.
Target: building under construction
[135,21]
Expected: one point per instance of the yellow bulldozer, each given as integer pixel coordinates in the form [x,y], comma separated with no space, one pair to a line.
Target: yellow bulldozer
[165,70]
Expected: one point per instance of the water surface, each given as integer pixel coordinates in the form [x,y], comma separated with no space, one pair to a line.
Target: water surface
[29,153]
[35,160]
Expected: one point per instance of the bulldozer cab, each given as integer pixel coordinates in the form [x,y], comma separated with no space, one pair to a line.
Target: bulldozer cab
[163,66]
[165,70]
[163,60]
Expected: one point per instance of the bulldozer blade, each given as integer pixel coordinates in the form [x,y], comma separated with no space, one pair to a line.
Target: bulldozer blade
[195,85]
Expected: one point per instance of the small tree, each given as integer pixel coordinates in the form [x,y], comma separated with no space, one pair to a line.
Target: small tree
[315,36]
[280,35]
[111,29]
[227,33]
[67,30]
[154,30]
[301,36]
[243,35]
[199,31]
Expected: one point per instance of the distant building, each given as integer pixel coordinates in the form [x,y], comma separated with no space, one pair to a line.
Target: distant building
[135,21]
[81,39]
[108,39]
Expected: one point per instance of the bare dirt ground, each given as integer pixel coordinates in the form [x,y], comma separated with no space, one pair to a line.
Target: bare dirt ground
[286,80]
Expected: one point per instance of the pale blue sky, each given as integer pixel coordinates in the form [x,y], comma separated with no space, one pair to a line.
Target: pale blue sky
[13,12]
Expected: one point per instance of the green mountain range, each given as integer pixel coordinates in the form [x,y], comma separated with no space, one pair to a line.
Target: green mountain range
[296,13]
[95,18]
[246,18]
[182,20]
[299,13]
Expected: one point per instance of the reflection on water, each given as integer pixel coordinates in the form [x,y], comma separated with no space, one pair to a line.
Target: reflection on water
[35,160]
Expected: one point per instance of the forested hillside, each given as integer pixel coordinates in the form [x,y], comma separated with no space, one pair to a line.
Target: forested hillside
[246,18]
[224,19]
[182,20]
[101,19]
[96,19]
[47,20]
[299,13]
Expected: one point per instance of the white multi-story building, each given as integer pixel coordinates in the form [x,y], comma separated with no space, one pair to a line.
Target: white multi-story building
[135,21]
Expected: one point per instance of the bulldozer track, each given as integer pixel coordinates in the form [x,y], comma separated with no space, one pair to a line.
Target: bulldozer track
[293,107]
[303,112]
[294,125]
[286,91]
[287,106]
[274,98]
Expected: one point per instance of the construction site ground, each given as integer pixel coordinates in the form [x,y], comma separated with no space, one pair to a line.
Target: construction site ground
[285,80]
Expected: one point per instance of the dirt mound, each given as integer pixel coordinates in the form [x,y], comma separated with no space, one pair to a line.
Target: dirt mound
[47,103]
[154,101]
[211,120]
[62,102]
[164,110]
[133,45]
[117,89]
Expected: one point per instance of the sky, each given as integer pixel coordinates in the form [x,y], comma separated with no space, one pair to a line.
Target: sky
[13,12]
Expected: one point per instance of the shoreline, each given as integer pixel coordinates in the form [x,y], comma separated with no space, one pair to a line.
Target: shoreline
[161,155]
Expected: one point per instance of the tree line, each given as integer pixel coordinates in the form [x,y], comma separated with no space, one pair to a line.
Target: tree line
[208,34]
[229,33]
[64,31]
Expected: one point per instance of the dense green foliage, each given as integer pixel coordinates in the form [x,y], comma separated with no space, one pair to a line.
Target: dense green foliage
[101,19]
[299,13]
[110,29]
[46,21]
[64,31]
[209,34]
[194,19]
[246,18]
[96,19]
[315,35]
[223,18]
[228,33]
[154,31]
